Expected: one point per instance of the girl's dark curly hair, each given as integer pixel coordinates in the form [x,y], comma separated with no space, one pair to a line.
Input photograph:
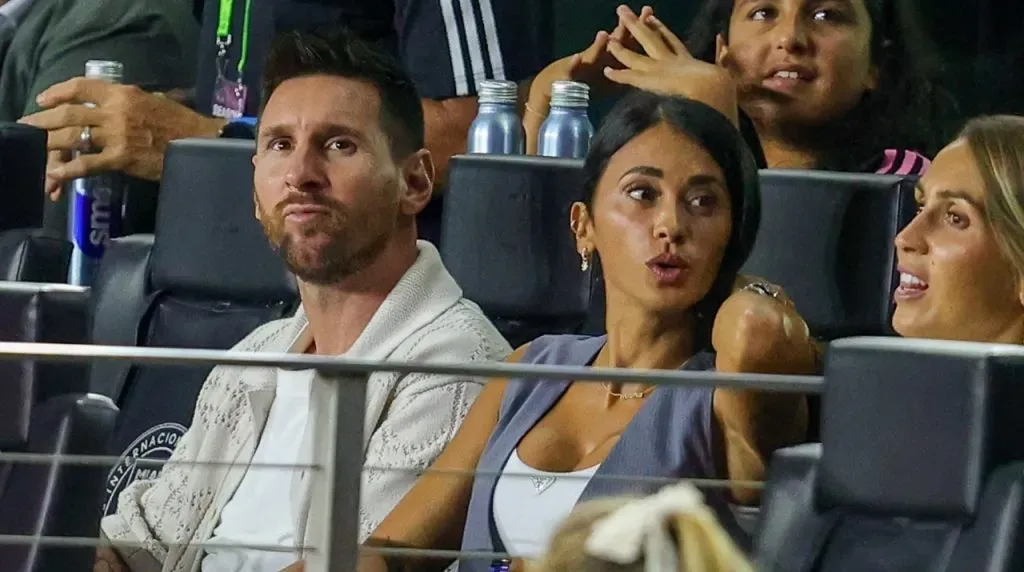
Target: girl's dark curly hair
[907,111]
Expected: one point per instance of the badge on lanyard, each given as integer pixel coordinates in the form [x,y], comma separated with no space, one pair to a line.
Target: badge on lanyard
[230,95]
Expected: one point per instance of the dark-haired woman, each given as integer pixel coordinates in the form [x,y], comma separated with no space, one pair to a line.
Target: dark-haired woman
[672,210]
[831,85]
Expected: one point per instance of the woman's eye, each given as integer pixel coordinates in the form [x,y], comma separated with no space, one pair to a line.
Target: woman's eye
[761,14]
[956,220]
[702,202]
[640,193]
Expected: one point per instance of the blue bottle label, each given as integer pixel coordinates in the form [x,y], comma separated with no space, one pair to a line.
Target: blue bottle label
[96,217]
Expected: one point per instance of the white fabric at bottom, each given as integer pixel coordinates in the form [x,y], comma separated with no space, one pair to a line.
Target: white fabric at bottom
[530,505]
[261,510]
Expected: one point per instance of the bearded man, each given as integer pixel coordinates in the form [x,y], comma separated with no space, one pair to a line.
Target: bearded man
[340,173]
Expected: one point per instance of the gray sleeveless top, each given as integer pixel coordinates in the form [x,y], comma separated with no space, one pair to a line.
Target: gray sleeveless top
[671,436]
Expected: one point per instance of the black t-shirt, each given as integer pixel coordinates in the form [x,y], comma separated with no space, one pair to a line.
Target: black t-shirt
[446,46]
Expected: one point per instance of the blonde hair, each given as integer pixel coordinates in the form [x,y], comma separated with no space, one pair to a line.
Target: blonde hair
[702,545]
[997,143]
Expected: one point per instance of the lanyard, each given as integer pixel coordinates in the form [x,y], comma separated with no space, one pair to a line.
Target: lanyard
[224,32]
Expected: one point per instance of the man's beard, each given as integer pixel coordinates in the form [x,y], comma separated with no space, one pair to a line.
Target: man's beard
[353,242]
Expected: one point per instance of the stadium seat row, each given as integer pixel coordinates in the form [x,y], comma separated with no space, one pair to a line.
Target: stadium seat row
[207,277]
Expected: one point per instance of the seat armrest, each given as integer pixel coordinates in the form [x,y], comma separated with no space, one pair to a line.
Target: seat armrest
[58,499]
[787,506]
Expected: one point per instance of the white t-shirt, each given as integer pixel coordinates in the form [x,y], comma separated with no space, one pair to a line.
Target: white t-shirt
[260,512]
[529,504]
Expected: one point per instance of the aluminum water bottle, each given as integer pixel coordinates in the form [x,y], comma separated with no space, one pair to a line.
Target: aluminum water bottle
[96,202]
[497,129]
[567,131]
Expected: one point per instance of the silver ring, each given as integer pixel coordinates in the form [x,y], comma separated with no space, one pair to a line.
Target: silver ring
[85,137]
[762,288]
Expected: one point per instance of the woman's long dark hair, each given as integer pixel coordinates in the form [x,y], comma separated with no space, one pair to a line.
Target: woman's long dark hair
[639,111]
[907,110]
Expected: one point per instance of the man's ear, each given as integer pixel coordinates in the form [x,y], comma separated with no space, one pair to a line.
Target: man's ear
[721,51]
[582,228]
[256,199]
[418,182]
[256,207]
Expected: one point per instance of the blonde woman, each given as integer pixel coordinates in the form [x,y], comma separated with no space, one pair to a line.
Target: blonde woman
[671,531]
[961,260]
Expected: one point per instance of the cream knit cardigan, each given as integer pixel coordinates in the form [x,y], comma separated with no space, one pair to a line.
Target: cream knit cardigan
[409,420]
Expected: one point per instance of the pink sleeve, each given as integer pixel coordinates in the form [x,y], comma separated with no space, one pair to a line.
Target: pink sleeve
[903,162]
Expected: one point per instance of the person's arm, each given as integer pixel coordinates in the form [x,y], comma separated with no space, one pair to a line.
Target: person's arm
[448,48]
[754,333]
[163,511]
[433,513]
[446,124]
[107,560]
[152,511]
[421,419]
[586,66]
[130,126]
[154,39]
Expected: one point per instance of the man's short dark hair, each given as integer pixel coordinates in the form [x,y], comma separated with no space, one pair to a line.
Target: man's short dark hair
[340,53]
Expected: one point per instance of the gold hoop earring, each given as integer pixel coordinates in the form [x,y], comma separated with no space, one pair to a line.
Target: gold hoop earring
[584,260]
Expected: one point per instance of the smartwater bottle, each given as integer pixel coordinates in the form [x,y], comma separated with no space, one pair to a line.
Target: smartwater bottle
[567,130]
[497,129]
[95,206]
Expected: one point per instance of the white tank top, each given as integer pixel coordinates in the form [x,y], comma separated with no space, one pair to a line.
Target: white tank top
[530,505]
[260,512]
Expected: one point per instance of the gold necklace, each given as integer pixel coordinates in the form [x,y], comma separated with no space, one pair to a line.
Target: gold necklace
[639,394]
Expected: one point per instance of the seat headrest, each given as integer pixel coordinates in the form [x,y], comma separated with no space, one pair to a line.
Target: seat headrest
[505,235]
[22,174]
[207,241]
[916,426]
[827,238]
[33,255]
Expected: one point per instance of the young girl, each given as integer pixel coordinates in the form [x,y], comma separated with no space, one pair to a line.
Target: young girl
[839,86]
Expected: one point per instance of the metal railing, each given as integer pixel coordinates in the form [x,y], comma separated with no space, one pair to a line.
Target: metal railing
[339,420]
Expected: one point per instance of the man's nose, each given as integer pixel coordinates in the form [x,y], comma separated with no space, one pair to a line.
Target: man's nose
[305,171]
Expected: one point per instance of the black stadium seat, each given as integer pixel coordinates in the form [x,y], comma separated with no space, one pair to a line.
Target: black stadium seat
[43,410]
[22,174]
[827,238]
[32,255]
[43,313]
[206,279]
[505,238]
[53,500]
[921,465]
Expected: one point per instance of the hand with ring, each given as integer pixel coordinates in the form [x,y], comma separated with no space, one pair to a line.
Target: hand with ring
[85,138]
[127,128]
